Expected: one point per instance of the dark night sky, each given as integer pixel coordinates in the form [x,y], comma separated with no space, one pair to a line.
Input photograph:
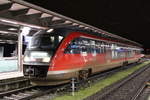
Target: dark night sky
[127,18]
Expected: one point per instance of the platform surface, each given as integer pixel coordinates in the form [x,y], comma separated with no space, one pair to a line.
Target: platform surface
[8,64]
[9,75]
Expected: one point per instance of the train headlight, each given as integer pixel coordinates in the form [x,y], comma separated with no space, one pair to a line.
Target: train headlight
[26,58]
[46,59]
[38,57]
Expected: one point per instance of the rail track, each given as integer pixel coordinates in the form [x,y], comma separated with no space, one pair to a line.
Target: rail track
[13,83]
[143,92]
[30,92]
[126,89]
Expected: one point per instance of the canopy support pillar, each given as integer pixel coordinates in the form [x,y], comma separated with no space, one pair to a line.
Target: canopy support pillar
[20,47]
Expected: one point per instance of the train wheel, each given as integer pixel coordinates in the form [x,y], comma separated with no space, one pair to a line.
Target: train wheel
[83,74]
[125,63]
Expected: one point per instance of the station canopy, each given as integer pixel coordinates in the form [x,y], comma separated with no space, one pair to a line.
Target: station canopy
[15,14]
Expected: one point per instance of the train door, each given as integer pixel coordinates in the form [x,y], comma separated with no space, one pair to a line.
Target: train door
[85,51]
[93,53]
[88,52]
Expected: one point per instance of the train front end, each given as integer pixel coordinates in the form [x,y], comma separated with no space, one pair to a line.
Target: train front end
[38,56]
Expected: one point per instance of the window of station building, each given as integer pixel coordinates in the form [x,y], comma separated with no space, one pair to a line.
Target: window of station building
[8,55]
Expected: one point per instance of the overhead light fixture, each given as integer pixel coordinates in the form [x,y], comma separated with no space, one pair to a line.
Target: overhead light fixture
[8,21]
[17,23]
[86,27]
[12,29]
[5,32]
[50,30]
[26,30]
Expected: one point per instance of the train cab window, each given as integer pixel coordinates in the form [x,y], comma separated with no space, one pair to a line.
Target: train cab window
[44,41]
[60,38]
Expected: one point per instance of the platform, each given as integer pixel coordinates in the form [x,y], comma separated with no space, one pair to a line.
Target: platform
[8,64]
[9,75]
[11,81]
[9,68]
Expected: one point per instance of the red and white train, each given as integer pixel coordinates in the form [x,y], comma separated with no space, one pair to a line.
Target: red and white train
[57,56]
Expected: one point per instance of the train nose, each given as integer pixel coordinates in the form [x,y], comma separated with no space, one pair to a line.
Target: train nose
[35,71]
[29,71]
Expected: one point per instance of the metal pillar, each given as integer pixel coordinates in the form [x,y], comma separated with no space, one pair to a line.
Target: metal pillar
[73,86]
[23,30]
[20,47]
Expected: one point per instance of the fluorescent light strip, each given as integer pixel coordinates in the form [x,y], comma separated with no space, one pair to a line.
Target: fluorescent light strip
[21,23]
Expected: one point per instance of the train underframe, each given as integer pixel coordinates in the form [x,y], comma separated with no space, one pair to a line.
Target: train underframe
[39,75]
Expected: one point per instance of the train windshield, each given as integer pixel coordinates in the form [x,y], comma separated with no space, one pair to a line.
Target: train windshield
[42,47]
[45,41]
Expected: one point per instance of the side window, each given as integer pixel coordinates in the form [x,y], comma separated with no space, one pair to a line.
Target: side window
[84,47]
[97,46]
[74,46]
[78,46]
[102,47]
[114,51]
[92,45]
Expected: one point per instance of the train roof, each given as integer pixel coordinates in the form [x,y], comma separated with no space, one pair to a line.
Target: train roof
[64,31]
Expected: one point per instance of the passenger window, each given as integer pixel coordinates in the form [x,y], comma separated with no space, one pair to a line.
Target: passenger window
[73,47]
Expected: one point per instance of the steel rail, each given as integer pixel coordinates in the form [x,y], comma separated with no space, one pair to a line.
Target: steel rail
[20,95]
